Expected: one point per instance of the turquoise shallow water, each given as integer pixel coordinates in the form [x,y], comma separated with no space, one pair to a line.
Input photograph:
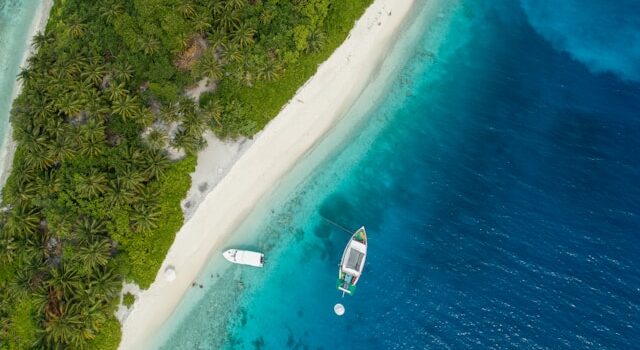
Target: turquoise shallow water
[16,17]
[497,178]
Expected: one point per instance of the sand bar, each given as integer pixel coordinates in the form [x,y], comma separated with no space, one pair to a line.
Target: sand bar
[316,107]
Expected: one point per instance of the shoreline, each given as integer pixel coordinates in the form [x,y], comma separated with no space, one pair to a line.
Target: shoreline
[317,106]
[8,147]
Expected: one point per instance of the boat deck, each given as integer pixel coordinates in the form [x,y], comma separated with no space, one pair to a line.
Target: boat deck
[345,286]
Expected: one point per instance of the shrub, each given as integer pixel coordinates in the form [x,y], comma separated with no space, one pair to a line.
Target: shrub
[128,299]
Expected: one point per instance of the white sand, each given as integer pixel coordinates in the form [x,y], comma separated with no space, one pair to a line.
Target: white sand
[204,85]
[214,162]
[9,147]
[123,312]
[317,106]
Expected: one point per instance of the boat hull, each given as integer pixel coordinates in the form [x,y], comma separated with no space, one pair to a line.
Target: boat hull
[244,257]
[352,262]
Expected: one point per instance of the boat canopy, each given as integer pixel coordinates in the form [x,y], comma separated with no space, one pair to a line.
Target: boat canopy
[249,258]
[354,258]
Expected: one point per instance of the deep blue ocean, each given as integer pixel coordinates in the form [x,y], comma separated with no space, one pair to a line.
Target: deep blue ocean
[499,182]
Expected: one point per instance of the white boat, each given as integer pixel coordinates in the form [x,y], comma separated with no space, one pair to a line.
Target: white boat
[244,257]
[352,263]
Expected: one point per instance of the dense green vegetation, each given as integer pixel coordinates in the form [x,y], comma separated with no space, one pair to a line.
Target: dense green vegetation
[94,195]
[128,299]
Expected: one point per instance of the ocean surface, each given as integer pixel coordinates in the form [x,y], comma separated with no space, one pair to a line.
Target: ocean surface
[498,176]
[16,17]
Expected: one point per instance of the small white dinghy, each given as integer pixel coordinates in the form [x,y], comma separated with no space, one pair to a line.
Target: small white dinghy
[244,257]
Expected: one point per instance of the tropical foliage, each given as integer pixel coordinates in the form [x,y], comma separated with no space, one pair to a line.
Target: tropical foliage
[94,195]
[128,299]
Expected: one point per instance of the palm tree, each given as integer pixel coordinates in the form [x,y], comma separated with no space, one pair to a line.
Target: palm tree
[93,130]
[95,105]
[64,279]
[41,39]
[194,122]
[146,117]
[131,179]
[126,107]
[33,140]
[244,75]
[111,11]
[123,72]
[133,155]
[38,106]
[87,300]
[76,28]
[170,113]
[26,75]
[63,332]
[50,182]
[88,227]
[90,147]
[235,4]
[186,8]
[94,254]
[149,45]
[232,54]
[8,248]
[149,196]
[157,138]
[217,41]
[118,194]
[188,142]
[94,73]
[201,22]
[157,163]
[267,16]
[55,127]
[117,92]
[40,297]
[243,35]
[68,104]
[270,71]
[30,252]
[316,41]
[145,218]
[40,161]
[61,149]
[91,185]
[92,311]
[214,111]
[209,66]
[216,7]
[24,276]
[106,283]
[183,39]
[24,191]
[227,20]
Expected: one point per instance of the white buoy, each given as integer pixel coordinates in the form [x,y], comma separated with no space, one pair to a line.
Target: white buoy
[339,309]
[170,273]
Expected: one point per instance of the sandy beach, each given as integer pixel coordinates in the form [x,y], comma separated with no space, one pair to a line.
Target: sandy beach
[7,149]
[214,162]
[245,179]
